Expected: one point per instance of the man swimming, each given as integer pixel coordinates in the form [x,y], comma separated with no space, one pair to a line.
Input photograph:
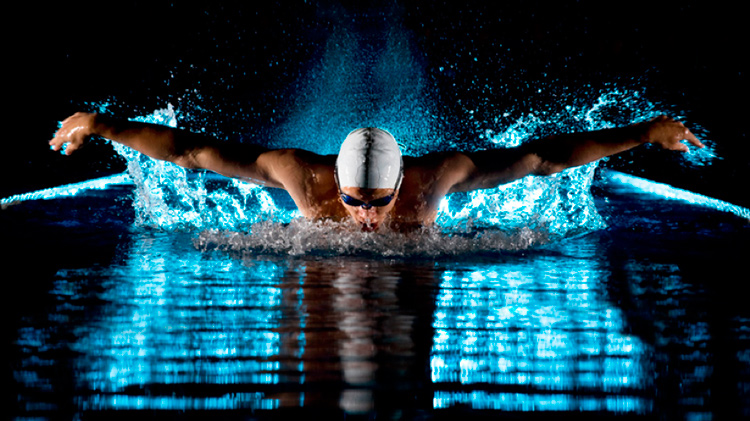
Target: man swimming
[369,182]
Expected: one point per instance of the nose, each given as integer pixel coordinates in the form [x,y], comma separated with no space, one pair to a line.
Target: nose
[366,211]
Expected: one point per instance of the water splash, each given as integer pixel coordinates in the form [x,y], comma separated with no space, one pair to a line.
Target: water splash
[560,205]
[327,239]
[170,197]
[528,212]
[368,73]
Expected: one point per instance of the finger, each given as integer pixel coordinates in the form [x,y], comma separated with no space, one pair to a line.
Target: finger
[56,144]
[60,139]
[70,148]
[61,133]
[690,137]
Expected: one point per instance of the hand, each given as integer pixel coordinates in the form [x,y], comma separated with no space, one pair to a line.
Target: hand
[74,132]
[669,134]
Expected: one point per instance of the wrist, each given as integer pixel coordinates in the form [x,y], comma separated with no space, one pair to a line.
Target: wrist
[99,125]
[640,132]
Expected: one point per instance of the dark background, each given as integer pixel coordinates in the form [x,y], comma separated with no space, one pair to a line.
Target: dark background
[65,57]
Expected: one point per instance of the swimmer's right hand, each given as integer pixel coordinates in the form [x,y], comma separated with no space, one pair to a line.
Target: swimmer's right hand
[73,133]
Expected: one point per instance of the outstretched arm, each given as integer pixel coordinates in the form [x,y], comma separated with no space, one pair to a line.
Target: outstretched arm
[557,153]
[487,169]
[184,148]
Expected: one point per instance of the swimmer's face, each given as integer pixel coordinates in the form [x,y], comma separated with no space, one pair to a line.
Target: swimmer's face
[369,218]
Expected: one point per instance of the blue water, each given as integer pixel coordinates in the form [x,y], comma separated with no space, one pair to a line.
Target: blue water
[634,319]
[592,293]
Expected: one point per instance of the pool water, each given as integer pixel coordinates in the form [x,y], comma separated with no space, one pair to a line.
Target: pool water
[642,318]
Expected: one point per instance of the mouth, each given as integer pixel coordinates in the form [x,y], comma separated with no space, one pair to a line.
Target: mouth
[369,226]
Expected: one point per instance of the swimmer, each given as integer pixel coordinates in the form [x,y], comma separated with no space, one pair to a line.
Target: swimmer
[369,182]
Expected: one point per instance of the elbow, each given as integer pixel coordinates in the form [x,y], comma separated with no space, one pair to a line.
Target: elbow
[537,165]
[545,168]
[547,156]
[189,159]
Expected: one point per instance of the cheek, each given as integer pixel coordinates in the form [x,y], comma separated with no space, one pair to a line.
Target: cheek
[384,211]
[352,212]
[356,213]
[379,215]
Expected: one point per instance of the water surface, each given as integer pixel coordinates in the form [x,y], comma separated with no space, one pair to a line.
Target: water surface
[640,319]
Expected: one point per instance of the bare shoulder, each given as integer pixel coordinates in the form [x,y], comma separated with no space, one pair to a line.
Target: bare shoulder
[291,158]
[451,172]
[427,179]
[289,167]
[438,162]
[307,177]
[439,170]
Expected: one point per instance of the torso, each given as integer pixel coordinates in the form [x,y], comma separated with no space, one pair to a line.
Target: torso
[312,186]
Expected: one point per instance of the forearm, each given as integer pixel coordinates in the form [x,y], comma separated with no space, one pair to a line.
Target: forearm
[487,169]
[157,141]
[545,156]
[556,153]
[184,148]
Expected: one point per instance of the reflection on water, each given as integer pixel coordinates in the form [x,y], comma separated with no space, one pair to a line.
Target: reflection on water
[588,325]
[542,329]
[169,327]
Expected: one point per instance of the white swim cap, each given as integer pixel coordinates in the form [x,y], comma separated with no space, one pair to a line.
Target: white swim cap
[369,158]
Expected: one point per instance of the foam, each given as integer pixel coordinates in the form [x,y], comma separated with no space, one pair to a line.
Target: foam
[326,239]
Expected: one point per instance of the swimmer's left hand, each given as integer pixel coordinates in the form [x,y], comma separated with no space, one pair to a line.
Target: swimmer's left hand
[73,133]
[668,133]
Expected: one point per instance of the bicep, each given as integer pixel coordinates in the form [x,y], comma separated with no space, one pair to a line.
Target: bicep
[491,168]
[246,162]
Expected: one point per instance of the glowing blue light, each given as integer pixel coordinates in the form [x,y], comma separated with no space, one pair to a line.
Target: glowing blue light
[668,192]
[230,401]
[540,402]
[161,328]
[492,327]
[552,207]
[68,190]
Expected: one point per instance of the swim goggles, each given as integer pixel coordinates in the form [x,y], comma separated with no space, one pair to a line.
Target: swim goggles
[379,202]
